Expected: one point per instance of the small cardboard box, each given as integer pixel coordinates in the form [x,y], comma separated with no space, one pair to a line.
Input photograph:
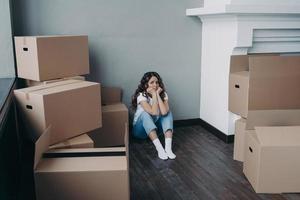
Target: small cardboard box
[112,131]
[111,95]
[42,58]
[239,139]
[82,141]
[272,159]
[264,82]
[88,173]
[71,107]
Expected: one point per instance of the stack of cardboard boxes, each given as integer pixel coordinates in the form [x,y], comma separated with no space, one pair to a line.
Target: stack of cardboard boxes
[264,91]
[59,111]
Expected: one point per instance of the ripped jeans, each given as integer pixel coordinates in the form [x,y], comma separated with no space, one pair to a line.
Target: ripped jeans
[147,123]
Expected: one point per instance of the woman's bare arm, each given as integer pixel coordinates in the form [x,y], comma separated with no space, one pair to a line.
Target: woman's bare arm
[163,105]
[153,110]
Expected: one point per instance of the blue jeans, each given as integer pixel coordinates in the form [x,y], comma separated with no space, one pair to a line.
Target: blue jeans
[147,123]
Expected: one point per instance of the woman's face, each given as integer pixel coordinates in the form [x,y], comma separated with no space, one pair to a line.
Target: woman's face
[153,83]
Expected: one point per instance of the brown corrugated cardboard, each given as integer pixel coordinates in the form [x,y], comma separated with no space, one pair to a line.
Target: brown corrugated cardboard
[272,160]
[273,83]
[272,118]
[82,141]
[112,131]
[239,139]
[42,58]
[88,173]
[238,92]
[71,107]
[111,95]
[30,83]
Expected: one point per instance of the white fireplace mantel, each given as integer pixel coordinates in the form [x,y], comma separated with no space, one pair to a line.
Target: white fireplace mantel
[239,27]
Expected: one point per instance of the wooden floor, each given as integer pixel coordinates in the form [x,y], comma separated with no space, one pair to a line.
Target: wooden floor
[203,169]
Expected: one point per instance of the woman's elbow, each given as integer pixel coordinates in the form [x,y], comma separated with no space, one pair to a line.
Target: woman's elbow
[163,113]
[154,113]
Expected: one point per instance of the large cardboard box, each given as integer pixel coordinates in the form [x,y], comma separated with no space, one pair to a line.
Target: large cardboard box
[272,159]
[89,173]
[42,58]
[264,82]
[111,95]
[71,107]
[261,118]
[112,131]
[82,141]
[239,139]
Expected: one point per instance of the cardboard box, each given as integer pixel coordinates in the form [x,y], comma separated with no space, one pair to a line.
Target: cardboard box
[111,95]
[42,58]
[112,131]
[272,159]
[82,141]
[71,107]
[273,83]
[239,139]
[30,83]
[89,173]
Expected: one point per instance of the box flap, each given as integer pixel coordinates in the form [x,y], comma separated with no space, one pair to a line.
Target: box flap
[65,87]
[274,82]
[41,145]
[108,149]
[42,87]
[83,164]
[73,142]
[92,159]
[273,118]
[278,135]
[114,108]
[239,63]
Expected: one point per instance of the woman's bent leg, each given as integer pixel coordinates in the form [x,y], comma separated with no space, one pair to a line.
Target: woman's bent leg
[167,126]
[145,127]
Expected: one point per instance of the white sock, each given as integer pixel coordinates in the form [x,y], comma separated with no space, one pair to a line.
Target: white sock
[168,148]
[160,150]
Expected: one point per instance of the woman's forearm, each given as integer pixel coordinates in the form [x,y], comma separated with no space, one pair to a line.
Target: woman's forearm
[155,106]
[162,107]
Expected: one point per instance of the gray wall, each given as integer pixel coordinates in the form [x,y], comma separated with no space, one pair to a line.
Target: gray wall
[126,39]
[7,66]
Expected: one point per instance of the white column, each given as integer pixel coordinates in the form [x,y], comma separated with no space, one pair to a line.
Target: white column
[239,27]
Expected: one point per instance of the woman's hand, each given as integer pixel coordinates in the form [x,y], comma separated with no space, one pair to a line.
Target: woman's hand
[151,91]
[159,90]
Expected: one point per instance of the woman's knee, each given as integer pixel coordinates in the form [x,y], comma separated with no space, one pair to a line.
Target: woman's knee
[167,122]
[168,117]
[146,116]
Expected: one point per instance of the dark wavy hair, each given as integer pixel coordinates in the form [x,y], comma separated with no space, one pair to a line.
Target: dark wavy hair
[142,88]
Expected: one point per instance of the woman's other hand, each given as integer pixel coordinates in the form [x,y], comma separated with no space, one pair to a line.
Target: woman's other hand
[151,90]
[159,90]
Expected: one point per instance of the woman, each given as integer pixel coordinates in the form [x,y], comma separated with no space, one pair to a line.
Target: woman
[152,114]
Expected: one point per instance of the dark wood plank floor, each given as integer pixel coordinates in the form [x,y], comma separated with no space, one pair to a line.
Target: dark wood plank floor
[203,169]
